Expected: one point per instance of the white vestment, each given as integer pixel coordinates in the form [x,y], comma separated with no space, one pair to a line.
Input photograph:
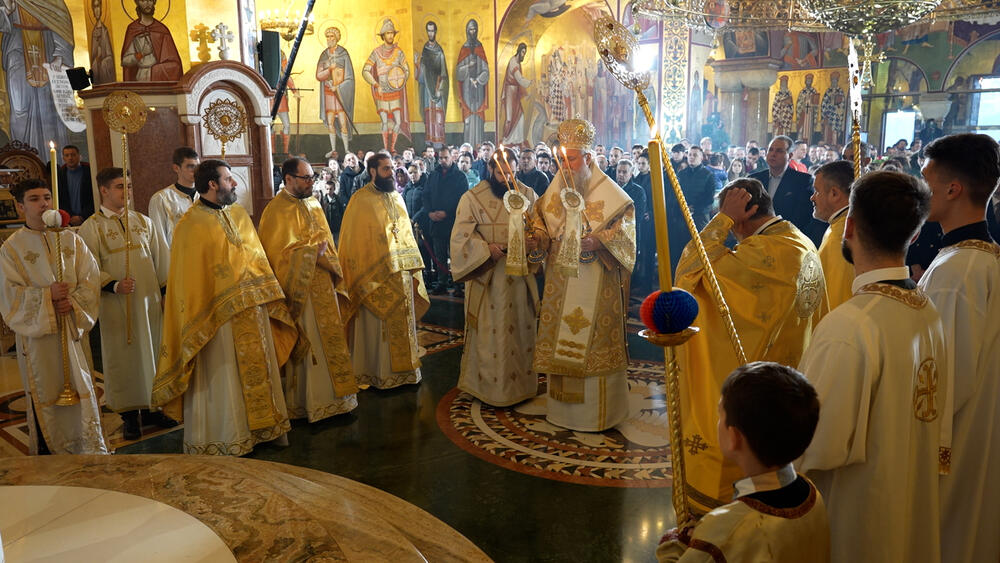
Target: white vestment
[500,308]
[370,355]
[29,268]
[309,391]
[166,208]
[880,367]
[963,282]
[128,368]
[215,418]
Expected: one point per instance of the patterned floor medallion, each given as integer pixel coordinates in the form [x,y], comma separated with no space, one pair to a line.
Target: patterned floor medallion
[633,454]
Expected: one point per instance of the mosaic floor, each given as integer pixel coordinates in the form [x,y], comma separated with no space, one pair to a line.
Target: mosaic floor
[633,454]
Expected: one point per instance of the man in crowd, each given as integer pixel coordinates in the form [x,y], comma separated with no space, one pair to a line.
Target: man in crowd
[465,166]
[76,195]
[444,188]
[318,380]
[798,152]
[226,330]
[489,253]
[788,189]
[170,203]
[349,177]
[706,146]
[39,309]
[773,282]
[131,313]
[545,165]
[382,274]
[529,175]
[614,155]
[481,163]
[754,162]
[635,192]
[581,336]
[963,282]
[880,367]
[831,196]
[699,185]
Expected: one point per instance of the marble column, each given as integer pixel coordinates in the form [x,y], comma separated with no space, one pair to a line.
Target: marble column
[744,88]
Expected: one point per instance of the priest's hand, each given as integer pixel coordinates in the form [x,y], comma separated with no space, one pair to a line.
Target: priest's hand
[734,205]
[59,291]
[125,286]
[63,307]
[321,251]
[590,244]
[497,251]
[75,221]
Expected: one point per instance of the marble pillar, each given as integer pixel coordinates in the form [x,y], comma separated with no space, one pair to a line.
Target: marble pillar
[744,97]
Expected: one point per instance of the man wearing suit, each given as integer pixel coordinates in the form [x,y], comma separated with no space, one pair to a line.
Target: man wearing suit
[789,189]
[76,192]
[444,188]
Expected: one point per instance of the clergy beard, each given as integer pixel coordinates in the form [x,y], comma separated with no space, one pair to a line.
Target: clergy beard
[581,178]
[227,197]
[499,189]
[384,184]
[846,251]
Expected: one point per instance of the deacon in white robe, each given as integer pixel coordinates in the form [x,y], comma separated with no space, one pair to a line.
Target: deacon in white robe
[170,203]
[128,348]
[963,282]
[489,253]
[882,373]
[29,261]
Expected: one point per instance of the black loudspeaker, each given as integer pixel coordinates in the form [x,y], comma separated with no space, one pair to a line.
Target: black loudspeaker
[270,57]
[79,77]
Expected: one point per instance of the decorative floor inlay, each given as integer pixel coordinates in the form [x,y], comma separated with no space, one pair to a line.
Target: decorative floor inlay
[633,454]
[435,338]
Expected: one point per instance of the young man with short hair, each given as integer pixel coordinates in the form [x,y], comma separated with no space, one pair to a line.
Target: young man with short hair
[129,345]
[36,307]
[168,205]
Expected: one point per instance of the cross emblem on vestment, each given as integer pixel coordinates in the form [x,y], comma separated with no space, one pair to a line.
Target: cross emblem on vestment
[695,444]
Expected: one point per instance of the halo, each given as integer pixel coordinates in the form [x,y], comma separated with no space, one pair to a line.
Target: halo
[161,18]
[378,26]
[88,11]
[328,23]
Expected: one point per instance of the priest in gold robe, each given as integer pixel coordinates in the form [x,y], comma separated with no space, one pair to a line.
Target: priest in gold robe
[773,284]
[226,329]
[131,312]
[30,300]
[300,247]
[489,252]
[382,272]
[586,223]
[831,195]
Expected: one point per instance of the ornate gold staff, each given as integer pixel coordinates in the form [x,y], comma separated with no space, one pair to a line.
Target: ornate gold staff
[617,47]
[225,121]
[68,396]
[125,112]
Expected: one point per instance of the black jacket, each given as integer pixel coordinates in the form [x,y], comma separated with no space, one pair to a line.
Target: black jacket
[347,181]
[536,180]
[86,192]
[791,201]
[442,192]
[699,185]
[333,208]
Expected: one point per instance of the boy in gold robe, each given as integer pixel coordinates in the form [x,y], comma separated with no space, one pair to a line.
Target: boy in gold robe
[773,284]
[300,247]
[767,415]
[226,330]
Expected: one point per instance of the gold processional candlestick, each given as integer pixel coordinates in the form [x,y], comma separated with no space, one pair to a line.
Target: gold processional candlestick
[618,48]
[535,256]
[68,396]
[125,112]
